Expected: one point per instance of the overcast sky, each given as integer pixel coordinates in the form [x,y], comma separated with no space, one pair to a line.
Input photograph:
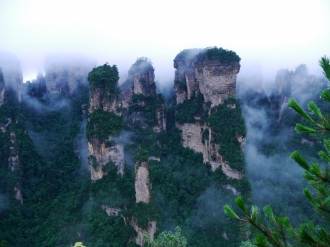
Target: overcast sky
[266,34]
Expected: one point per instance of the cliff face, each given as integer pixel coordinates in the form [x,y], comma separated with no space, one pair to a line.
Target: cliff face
[65,73]
[215,79]
[151,230]
[14,164]
[198,72]
[10,94]
[139,97]
[103,112]
[142,183]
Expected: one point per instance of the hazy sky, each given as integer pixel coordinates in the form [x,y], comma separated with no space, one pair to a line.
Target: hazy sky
[266,34]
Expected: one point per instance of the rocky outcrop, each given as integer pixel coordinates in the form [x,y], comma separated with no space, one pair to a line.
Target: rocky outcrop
[215,79]
[14,165]
[161,119]
[111,211]
[99,153]
[64,73]
[142,182]
[139,93]
[192,137]
[151,230]
[3,126]
[199,71]
[103,98]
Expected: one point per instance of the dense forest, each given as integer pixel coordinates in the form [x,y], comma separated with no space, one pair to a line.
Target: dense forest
[47,196]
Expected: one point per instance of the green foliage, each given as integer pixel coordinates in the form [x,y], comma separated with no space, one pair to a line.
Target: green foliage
[325,65]
[102,124]
[182,85]
[192,109]
[228,122]
[222,55]
[167,239]
[148,106]
[141,155]
[104,77]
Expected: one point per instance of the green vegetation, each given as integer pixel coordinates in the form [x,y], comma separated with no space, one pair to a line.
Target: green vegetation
[62,206]
[167,239]
[228,123]
[278,231]
[222,55]
[192,109]
[147,105]
[141,155]
[104,77]
[102,124]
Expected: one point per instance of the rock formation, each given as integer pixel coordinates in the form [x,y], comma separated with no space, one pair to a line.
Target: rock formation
[101,134]
[212,73]
[151,230]
[142,183]
[139,93]
[214,78]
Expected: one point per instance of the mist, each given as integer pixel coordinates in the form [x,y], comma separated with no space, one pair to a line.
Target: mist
[272,34]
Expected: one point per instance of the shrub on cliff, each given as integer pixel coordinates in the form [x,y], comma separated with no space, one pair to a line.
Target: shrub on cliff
[222,55]
[102,124]
[105,77]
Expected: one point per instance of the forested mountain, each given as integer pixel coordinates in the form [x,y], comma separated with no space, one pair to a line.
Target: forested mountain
[85,159]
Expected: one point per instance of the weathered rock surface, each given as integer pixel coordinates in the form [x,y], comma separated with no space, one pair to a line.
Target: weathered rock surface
[215,80]
[14,165]
[192,137]
[103,96]
[142,182]
[141,81]
[195,73]
[151,230]
[111,211]
[97,148]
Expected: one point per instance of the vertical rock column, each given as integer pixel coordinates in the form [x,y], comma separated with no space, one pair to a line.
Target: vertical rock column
[142,194]
[139,93]
[104,122]
[212,74]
